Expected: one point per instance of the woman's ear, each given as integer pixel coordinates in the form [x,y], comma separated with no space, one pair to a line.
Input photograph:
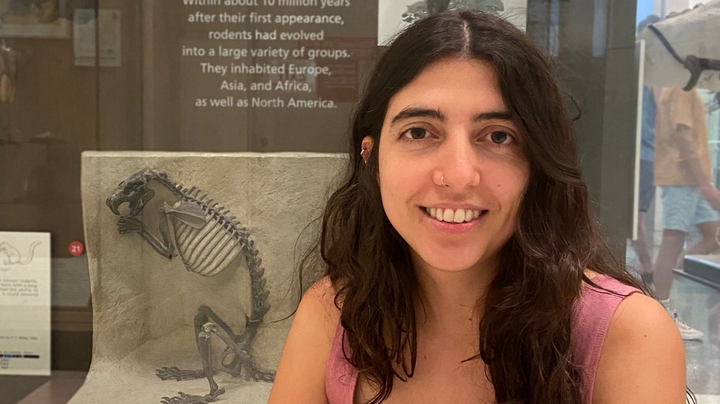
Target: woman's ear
[366,148]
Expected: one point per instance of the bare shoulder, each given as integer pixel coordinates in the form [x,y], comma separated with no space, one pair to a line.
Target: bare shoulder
[322,290]
[642,358]
[318,305]
[301,373]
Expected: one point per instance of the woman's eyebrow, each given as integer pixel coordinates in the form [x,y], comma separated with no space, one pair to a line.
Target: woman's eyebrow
[486,116]
[414,112]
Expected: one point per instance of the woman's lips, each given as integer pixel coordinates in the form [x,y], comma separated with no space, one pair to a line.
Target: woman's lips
[454,228]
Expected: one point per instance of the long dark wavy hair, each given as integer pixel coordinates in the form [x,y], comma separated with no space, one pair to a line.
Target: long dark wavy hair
[525,330]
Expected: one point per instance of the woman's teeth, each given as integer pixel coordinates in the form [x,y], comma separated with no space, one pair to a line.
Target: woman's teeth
[453,216]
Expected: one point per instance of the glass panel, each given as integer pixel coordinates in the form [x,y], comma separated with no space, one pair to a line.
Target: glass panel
[274,75]
[281,83]
[677,245]
[48,116]
[81,75]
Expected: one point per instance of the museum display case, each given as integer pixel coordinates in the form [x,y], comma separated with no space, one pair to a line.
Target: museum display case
[236,98]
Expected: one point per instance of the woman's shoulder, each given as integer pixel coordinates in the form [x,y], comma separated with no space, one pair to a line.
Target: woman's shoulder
[608,306]
[642,357]
[301,372]
[320,302]
[641,350]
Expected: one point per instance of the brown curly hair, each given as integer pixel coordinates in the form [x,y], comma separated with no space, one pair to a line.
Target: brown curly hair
[525,330]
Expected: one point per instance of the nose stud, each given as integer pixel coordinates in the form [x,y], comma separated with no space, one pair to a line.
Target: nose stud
[442,180]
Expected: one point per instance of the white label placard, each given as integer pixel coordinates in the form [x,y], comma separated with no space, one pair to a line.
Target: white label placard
[109,36]
[24,303]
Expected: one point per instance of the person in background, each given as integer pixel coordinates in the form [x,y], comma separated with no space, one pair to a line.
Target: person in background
[689,198]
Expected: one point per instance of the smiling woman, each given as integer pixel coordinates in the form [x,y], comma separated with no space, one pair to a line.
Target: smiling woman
[462,264]
[451,125]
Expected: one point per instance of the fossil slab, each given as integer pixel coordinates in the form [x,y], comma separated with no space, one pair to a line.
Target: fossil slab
[146,303]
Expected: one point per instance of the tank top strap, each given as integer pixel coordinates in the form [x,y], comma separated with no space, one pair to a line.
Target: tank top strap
[340,376]
[591,320]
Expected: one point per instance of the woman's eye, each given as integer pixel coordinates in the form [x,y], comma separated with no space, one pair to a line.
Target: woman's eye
[416,133]
[500,137]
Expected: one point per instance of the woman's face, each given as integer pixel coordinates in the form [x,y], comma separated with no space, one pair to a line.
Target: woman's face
[450,126]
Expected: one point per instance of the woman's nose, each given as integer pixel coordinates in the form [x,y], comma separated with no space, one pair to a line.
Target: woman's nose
[459,167]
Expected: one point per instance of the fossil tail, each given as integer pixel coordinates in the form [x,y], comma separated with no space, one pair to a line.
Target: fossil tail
[258,282]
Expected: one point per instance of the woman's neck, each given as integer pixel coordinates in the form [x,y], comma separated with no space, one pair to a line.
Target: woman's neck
[451,299]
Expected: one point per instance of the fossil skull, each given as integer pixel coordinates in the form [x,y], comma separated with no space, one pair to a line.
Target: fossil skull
[134,191]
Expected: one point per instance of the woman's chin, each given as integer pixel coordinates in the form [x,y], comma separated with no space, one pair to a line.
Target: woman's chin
[451,262]
[449,258]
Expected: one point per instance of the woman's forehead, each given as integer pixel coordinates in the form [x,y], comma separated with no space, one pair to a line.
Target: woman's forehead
[456,87]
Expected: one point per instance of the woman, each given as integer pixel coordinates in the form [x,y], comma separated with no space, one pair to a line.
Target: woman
[462,262]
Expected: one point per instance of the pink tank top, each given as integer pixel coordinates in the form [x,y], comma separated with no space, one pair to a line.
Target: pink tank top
[593,313]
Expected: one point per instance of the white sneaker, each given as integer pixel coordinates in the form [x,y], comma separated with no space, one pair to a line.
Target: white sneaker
[686,332]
